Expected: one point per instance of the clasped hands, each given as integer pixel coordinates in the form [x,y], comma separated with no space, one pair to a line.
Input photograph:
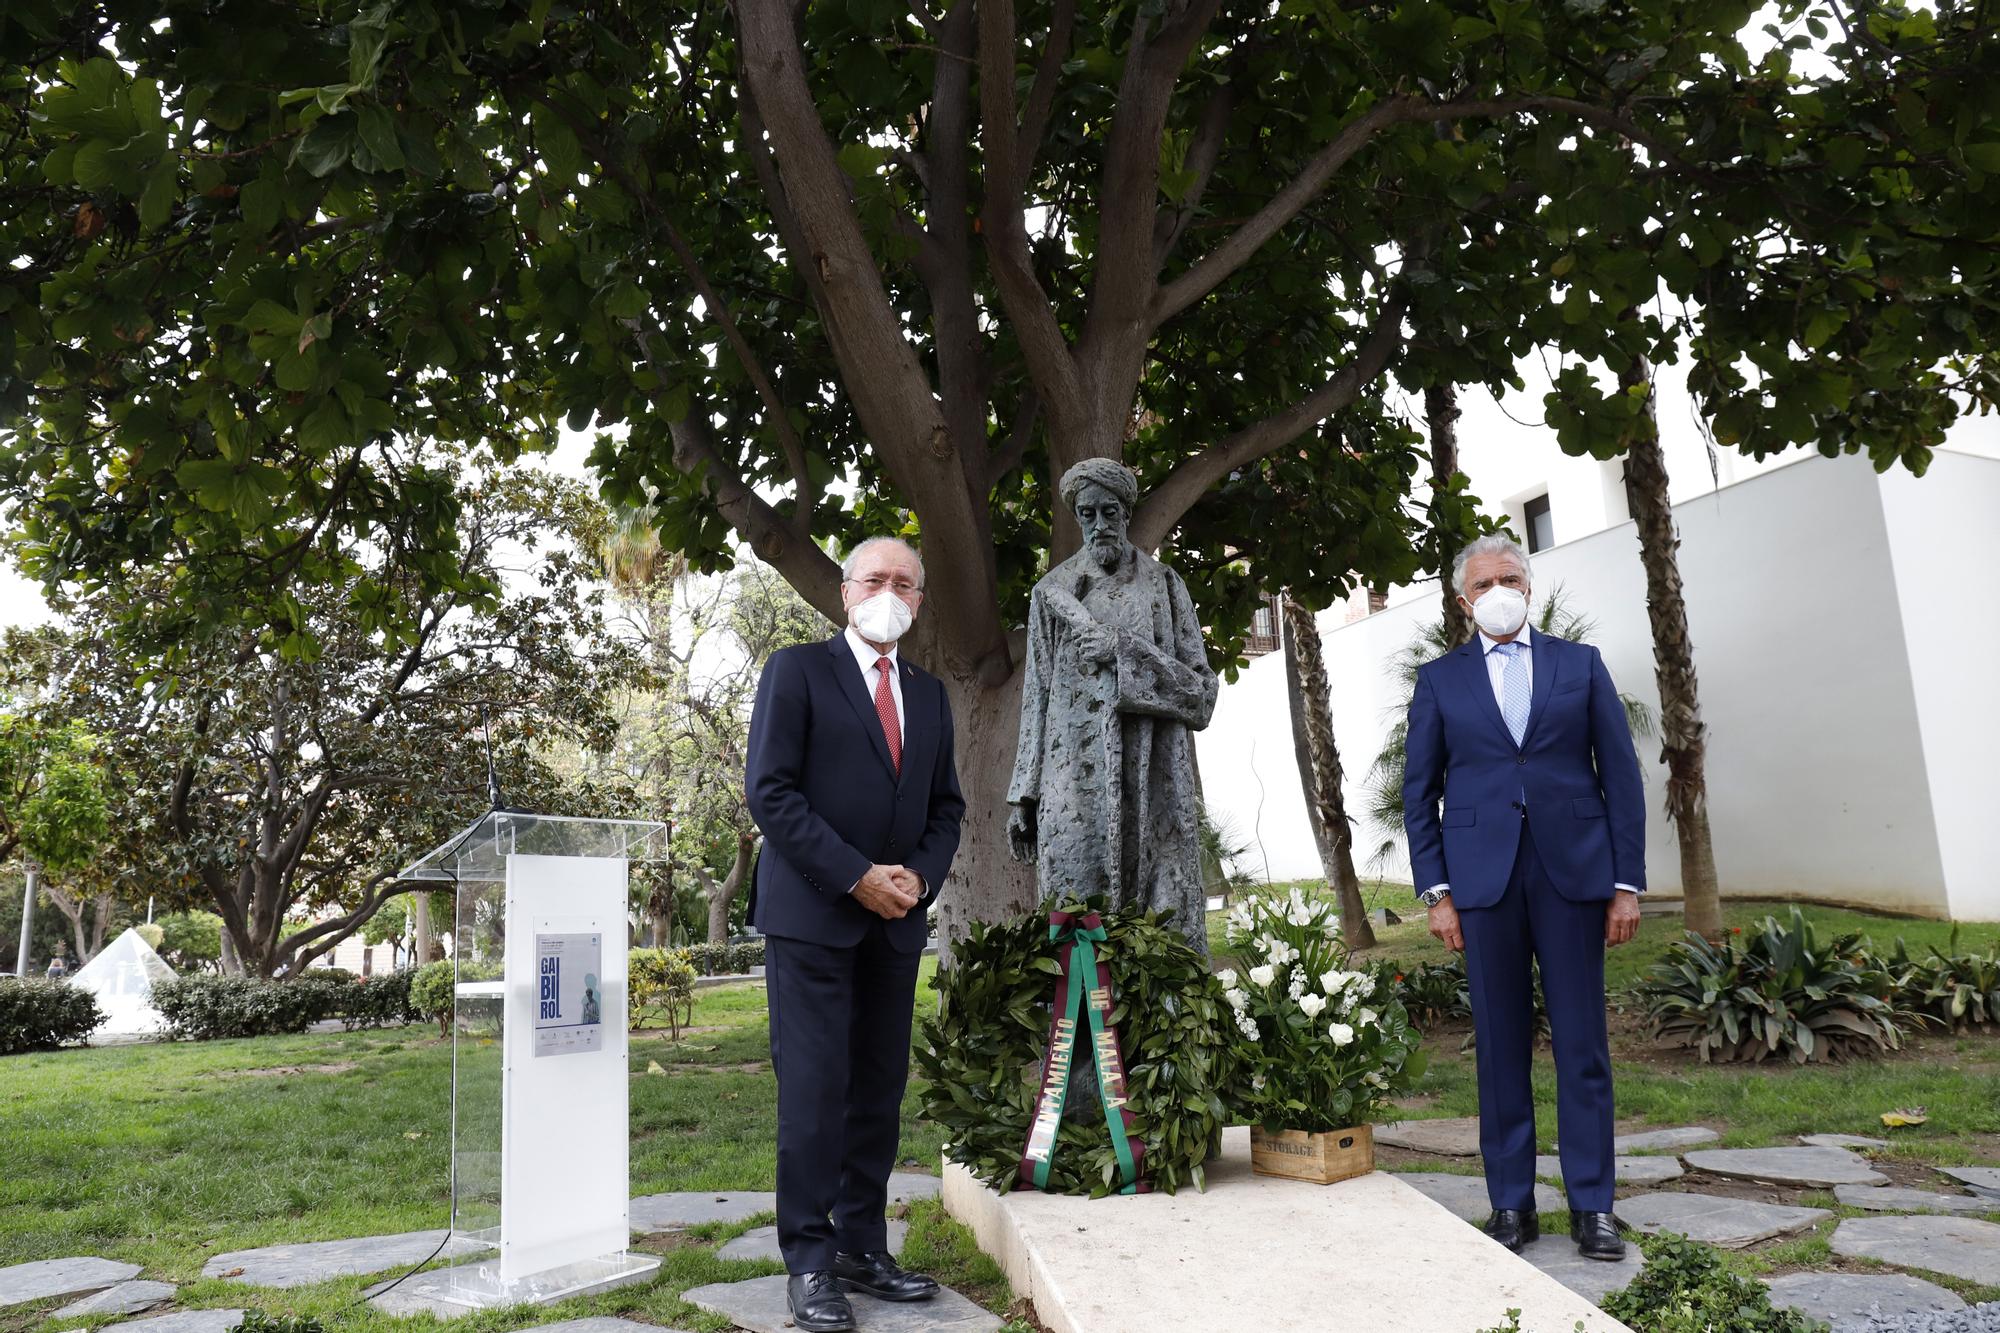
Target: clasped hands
[890,892]
[1621,921]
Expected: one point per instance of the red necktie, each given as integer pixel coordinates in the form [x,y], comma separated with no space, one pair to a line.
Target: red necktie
[885,708]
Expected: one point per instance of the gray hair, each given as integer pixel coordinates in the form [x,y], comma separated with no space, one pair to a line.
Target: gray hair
[1493,543]
[847,565]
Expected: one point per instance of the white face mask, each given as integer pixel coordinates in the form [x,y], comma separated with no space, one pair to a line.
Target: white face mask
[1501,611]
[883,618]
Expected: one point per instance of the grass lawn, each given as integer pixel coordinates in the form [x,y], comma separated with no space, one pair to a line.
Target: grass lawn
[163,1155]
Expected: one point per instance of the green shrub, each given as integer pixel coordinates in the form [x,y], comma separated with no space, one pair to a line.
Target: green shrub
[257,1320]
[723,960]
[430,993]
[1955,990]
[1777,992]
[329,974]
[203,1008]
[662,987]
[379,1001]
[42,1015]
[1684,1288]
[1433,993]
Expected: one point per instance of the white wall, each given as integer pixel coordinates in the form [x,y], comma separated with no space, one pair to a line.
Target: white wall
[1818,776]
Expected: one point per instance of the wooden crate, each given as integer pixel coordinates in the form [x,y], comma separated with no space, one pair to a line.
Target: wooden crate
[1322,1158]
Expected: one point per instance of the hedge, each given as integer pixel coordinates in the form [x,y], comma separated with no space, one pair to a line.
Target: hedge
[720,960]
[379,1001]
[201,1008]
[38,1015]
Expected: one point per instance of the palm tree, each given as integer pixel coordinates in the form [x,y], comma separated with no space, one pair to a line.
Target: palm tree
[1385,776]
[1684,743]
[1441,415]
[1319,769]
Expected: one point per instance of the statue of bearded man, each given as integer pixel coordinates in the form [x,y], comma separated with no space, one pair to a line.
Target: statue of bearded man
[1116,684]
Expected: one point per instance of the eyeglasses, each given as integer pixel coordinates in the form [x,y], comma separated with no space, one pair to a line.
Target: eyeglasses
[875,583]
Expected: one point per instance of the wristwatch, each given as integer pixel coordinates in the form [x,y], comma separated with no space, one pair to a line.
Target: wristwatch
[1432,897]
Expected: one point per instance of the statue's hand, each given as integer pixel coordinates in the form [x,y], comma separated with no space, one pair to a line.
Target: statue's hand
[1021,831]
[1097,644]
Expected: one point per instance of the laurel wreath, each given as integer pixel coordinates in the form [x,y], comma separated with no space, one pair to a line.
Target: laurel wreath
[982,1051]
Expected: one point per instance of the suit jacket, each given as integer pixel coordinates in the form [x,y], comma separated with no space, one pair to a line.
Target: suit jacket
[820,786]
[1575,770]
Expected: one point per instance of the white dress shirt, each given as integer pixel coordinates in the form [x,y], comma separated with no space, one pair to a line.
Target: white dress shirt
[867,657]
[1496,673]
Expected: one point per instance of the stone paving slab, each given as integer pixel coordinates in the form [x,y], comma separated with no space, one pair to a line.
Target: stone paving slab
[1979,1179]
[43,1279]
[1892,1199]
[1465,1196]
[1589,1278]
[187,1321]
[677,1212]
[1841,1141]
[1851,1301]
[1625,1170]
[1660,1140]
[1955,1246]
[602,1323]
[1732,1224]
[1815,1168]
[125,1298]
[1450,1138]
[762,1243]
[759,1306]
[310,1262]
[426,1292]
[909,1186]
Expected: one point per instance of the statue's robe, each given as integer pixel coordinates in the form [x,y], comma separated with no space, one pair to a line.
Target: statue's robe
[1107,751]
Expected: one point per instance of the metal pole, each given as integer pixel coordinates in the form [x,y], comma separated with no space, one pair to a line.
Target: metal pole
[27,920]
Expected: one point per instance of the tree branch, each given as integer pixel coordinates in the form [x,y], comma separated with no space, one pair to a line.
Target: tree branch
[1042,93]
[1165,505]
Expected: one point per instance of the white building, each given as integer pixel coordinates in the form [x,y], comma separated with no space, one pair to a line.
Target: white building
[1846,640]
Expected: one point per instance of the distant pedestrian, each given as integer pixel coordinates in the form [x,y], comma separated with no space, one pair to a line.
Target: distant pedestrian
[57,968]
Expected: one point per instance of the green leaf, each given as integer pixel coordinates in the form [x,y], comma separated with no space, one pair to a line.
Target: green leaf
[328,147]
[627,300]
[259,203]
[156,201]
[377,129]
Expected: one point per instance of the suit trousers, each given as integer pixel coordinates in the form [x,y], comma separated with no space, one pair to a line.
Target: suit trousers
[1534,922]
[840,1046]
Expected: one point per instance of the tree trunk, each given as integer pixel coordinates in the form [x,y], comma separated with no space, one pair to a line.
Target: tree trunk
[1441,413]
[986,883]
[1319,769]
[1685,743]
[227,961]
[88,937]
[722,895]
[420,917]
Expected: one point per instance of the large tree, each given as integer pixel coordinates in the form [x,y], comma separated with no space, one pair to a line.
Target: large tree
[942,254]
[283,791]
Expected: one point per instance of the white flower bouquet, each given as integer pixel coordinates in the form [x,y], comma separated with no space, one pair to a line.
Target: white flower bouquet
[1322,1045]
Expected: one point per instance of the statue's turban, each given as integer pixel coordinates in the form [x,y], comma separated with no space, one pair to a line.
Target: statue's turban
[1115,477]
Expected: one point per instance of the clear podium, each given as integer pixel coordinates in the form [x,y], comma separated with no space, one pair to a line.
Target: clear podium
[540,1139]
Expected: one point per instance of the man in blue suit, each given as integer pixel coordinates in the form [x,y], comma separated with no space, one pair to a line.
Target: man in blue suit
[1537,855]
[851,778]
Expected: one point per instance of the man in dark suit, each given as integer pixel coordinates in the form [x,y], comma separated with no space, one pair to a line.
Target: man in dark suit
[1538,855]
[851,779]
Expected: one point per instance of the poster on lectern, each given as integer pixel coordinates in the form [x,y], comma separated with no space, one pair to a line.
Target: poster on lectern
[569,995]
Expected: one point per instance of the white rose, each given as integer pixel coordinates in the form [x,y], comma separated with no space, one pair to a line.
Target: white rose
[1374,1079]
[1227,976]
[1312,1004]
[1330,981]
[1263,974]
[1368,1018]
[1342,1034]
[1238,1000]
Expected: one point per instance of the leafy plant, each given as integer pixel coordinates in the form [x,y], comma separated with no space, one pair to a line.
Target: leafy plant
[1433,993]
[1778,991]
[379,1001]
[982,1052]
[262,1321]
[1685,1288]
[723,960]
[1323,1045]
[203,1008]
[432,988]
[42,1015]
[1955,990]
[662,987]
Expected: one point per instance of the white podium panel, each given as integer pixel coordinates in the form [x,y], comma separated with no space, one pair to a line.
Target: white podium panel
[565,1171]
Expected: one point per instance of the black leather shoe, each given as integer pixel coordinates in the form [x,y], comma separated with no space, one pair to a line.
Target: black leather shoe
[1596,1236]
[818,1304]
[1514,1227]
[878,1274]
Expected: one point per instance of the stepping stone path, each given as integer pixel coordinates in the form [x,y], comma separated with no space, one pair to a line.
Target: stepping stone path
[46,1278]
[1465,1196]
[125,1298]
[759,1306]
[425,1293]
[1657,1140]
[1956,1246]
[1891,1199]
[187,1321]
[1589,1278]
[1841,1141]
[602,1323]
[1979,1179]
[762,1243]
[1732,1224]
[909,1186]
[677,1212]
[1449,1138]
[1820,1168]
[1625,1170]
[302,1265]
[1854,1302]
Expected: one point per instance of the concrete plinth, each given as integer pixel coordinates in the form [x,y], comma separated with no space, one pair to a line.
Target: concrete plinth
[1255,1252]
